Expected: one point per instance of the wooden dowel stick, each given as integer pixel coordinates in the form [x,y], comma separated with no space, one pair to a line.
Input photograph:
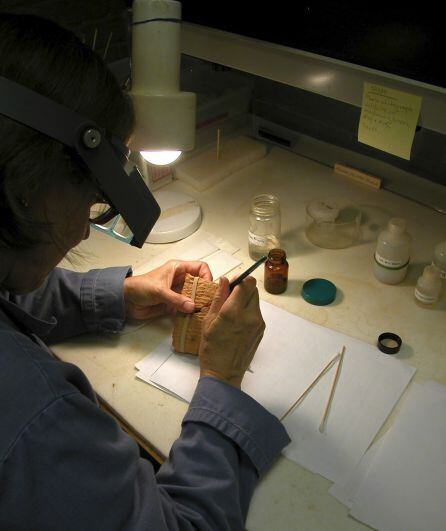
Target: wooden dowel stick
[218,144]
[310,387]
[332,391]
[107,45]
[93,46]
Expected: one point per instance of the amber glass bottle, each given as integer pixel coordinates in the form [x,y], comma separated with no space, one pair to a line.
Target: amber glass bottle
[276,271]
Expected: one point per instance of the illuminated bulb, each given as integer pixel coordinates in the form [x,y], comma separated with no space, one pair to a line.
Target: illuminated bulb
[160,158]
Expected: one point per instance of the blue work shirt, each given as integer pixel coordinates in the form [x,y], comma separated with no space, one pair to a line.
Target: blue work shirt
[67,465]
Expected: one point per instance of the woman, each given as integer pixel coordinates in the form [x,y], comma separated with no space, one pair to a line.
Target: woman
[65,464]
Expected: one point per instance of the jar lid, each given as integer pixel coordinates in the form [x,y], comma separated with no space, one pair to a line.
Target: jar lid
[323,211]
[389,343]
[431,272]
[319,291]
[397,225]
[440,250]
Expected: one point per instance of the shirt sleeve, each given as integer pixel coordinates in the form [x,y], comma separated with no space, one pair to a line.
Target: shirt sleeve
[78,302]
[74,468]
[228,441]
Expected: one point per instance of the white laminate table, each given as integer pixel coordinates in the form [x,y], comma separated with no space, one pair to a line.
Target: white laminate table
[289,497]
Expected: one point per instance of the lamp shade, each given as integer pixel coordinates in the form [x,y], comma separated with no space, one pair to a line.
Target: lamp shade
[165,116]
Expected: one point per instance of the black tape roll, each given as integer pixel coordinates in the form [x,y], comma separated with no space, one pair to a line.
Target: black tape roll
[389,343]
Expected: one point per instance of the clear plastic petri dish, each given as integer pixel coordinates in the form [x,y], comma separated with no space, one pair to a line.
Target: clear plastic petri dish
[333,223]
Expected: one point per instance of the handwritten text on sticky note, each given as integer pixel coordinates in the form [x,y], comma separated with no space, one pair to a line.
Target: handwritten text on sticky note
[388,119]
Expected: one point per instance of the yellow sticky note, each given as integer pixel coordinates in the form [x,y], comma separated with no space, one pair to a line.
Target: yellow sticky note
[388,119]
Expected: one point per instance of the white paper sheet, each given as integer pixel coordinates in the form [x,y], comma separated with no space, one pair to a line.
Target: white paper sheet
[198,246]
[156,358]
[216,253]
[405,487]
[346,492]
[179,374]
[369,387]
[285,364]
[180,383]
[199,251]
[148,365]
[221,263]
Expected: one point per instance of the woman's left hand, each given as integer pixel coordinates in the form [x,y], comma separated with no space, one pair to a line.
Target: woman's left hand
[158,292]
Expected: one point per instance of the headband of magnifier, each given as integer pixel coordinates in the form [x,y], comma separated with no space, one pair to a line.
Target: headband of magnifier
[128,195]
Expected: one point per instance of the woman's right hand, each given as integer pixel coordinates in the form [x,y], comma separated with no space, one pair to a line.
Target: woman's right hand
[232,331]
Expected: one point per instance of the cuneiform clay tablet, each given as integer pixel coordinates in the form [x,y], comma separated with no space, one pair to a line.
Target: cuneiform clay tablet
[188,327]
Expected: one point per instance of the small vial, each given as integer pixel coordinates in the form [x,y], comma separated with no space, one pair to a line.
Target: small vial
[392,252]
[264,225]
[276,272]
[428,288]
[440,258]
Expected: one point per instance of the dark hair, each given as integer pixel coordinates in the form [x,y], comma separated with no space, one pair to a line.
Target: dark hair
[51,60]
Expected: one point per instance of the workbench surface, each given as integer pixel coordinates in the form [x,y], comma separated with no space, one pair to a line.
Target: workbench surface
[289,497]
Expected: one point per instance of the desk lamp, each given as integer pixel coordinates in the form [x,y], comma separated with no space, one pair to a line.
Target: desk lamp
[165,116]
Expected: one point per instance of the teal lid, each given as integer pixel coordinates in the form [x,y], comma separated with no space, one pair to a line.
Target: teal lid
[319,291]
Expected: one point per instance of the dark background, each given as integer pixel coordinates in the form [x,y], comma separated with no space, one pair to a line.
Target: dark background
[86,18]
[408,41]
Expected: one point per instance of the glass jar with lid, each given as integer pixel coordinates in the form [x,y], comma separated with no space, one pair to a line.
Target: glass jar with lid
[264,225]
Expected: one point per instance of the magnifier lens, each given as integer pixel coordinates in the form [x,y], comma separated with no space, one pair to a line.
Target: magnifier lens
[107,219]
[101,213]
[104,218]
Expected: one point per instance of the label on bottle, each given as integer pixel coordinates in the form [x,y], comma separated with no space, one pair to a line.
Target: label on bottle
[390,264]
[443,274]
[255,239]
[425,299]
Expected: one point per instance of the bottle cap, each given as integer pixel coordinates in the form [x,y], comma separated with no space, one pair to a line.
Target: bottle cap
[440,248]
[397,225]
[319,291]
[389,343]
[431,272]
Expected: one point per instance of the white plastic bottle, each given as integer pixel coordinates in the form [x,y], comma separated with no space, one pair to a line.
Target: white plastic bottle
[440,258]
[428,288]
[392,252]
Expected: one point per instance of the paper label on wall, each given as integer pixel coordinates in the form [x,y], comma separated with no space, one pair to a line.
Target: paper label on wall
[388,119]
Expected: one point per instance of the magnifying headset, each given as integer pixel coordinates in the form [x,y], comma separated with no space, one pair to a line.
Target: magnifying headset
[123,194]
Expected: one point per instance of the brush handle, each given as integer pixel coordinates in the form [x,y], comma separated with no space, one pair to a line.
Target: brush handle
[239,279]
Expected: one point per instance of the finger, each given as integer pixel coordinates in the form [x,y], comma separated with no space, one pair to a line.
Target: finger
[254,300]
[194,268]
[220,297]
[180,302]
[204,272]
[241,295]
[234,277]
